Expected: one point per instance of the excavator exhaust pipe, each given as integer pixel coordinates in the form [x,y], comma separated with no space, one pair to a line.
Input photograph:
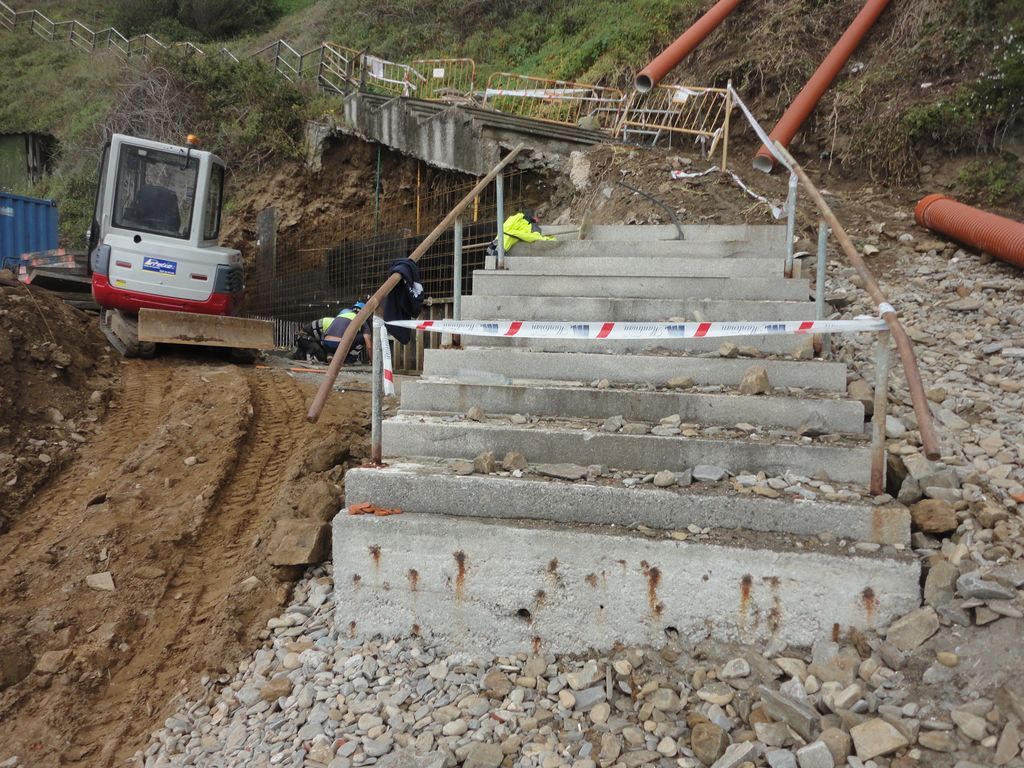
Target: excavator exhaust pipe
[668,59]
[984,231]
[808,98]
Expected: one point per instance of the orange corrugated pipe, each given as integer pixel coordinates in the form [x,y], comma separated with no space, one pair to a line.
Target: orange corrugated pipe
[987,232]
[807,99]
[666,61]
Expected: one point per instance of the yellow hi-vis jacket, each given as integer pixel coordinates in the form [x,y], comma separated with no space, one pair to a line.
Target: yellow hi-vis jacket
[517,228]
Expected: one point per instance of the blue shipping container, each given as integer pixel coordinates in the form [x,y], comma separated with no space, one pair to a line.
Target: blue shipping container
[27,224]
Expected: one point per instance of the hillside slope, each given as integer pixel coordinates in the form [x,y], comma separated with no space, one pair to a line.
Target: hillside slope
[933,99]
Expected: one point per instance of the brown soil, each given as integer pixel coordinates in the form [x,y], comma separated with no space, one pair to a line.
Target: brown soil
[186,547]
[55,370]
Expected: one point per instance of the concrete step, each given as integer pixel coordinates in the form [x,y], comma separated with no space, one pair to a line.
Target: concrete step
[636,233]
[769,345]
[504,283]
[487,363]
[624,266]
[430,487]
[449,396]
[679,250]
[502,587]
[593,308]
[589,308]
[551,442]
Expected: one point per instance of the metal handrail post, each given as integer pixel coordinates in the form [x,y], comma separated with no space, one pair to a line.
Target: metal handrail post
[922,411]
[790,223]
[878,417]
[725,128]
[819,286]
[377,403]
[457,277]
[499,197]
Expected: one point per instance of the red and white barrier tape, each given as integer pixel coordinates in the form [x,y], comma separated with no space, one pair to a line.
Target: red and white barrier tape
[599,330]
[387,371]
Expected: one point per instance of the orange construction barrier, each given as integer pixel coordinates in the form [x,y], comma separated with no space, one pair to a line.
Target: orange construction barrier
[987,232]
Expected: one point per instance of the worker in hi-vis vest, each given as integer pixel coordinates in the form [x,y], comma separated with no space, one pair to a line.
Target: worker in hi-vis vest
[519,227]
[321,337]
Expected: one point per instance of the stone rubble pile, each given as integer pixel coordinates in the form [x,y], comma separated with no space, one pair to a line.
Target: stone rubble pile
[314,697]
[966,320]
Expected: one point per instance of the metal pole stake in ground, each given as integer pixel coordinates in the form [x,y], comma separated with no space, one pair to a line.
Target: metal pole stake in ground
[819,286]
[790,223]
[377,406]
[878,418]
[457,278]
[499,196]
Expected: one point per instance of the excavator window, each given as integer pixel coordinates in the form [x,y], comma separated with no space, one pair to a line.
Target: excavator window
[211,213]
[155,192]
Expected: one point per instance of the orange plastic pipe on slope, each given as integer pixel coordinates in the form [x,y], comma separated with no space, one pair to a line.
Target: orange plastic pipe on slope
[666,61]
[807,99]
[997,235]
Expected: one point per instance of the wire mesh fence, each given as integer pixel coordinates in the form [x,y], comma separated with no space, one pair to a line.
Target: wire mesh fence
[302,283]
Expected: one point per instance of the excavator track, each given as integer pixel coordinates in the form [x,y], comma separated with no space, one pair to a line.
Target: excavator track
[122,332]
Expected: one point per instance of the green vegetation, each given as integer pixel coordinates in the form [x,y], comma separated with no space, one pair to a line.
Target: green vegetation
[599,41]
[996,181]
[194,19]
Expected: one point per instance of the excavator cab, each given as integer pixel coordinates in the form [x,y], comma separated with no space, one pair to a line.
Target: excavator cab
[157,269]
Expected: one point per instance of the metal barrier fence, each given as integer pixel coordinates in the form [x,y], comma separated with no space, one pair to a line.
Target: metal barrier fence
[446,79]
[674,109]
[554,101]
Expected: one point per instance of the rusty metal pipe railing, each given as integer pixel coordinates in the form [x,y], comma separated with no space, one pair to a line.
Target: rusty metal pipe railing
[316,408]
[903,344]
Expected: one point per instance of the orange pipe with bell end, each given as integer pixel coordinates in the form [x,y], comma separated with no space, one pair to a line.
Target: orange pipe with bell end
[987,232]
[667,60]
[807,99]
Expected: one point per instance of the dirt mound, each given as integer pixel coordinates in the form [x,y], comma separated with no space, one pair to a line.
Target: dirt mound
[144,565]
[55,371]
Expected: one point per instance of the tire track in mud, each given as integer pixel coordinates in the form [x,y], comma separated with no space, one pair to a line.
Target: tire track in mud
[197,591]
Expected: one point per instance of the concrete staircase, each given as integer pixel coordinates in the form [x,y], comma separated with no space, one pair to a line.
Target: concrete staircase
[764,531]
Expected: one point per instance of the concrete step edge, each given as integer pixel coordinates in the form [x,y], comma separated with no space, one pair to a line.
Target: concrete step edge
[657,369]
[438,395]
[844,462]
[429,487]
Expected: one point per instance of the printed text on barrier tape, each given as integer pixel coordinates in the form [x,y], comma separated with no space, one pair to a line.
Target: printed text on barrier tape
[598,330]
